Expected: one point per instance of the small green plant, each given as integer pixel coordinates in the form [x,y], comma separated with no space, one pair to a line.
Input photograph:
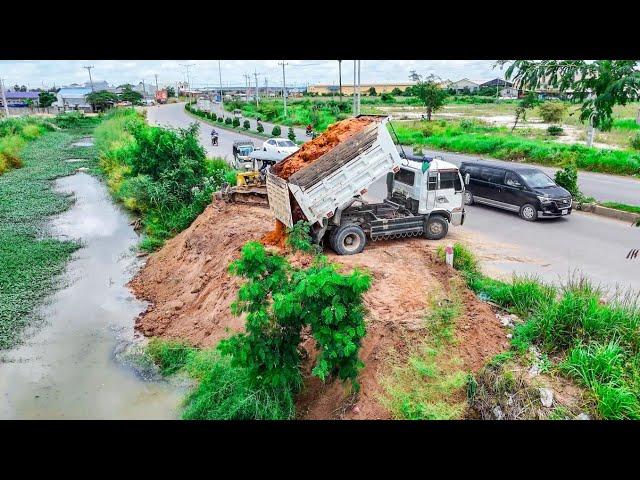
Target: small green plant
[555,130]
[246,125]
[220,119]
[228,121]
[260,128]
[236,122]
[567,178]
[213,116]
[276,131]
[635,141]
[299,238]
[553,111]
[291,135]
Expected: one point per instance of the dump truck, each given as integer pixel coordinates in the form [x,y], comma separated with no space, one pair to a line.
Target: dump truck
[161,97]
[423,196]
[242,159]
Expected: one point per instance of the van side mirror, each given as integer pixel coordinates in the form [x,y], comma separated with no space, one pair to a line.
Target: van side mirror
[467,178]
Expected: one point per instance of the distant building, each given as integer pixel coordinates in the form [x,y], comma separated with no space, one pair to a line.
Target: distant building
[97,86]
[73,98]
[20,99]
[464,85]
[347,89]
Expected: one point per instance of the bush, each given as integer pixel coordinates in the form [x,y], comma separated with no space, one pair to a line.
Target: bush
[635,141]
[291,135]
[236,122]
[220,120]
[260,128]
[246,125]
[552,111]
[276,132]
[555,130]
[213,116]
[567,178]
[228,121]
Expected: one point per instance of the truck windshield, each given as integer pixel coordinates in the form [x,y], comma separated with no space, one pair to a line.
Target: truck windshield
[537,179]
[245,150]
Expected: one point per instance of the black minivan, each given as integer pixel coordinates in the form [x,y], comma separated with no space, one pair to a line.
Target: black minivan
[519,188]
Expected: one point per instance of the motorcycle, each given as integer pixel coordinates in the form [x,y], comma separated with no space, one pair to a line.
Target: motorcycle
[214,140]
[309,132]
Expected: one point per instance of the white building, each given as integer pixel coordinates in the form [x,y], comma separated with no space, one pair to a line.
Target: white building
[464,85]
[73,98]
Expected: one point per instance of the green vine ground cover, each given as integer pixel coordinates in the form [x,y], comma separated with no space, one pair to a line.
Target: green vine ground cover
[30,259]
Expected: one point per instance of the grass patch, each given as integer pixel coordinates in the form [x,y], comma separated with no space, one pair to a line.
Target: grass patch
[622,206]
[599,342]
[29,259]
[430,384]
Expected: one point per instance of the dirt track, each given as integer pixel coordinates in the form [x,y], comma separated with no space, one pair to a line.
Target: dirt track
[190,293]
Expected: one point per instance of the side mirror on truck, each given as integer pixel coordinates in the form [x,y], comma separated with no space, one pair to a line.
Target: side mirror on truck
[467,178]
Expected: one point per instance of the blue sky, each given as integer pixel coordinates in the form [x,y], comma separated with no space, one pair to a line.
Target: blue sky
[37,73]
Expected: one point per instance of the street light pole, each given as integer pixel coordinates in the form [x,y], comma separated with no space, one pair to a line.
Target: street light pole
[284,88]
[358,87]
[256,77]
[220,78]
[354,88]
[591,130]
[340,78]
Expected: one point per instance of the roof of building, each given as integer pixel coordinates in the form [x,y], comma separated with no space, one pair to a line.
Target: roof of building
[70,92]
[20,95]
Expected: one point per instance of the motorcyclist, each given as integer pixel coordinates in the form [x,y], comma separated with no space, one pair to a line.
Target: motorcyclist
[214,137]
[309,129]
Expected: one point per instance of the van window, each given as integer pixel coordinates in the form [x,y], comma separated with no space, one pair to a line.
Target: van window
[512,180]
[492,175]
[472,170]
[450,180]
[405,176]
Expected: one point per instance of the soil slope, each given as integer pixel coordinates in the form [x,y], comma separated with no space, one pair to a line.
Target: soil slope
[190,293]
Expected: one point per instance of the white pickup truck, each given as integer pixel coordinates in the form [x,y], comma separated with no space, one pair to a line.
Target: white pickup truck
[423,197]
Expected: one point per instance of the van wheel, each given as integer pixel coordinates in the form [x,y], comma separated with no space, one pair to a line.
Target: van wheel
[437,227]
[468,197]
[348,240]
[528,212]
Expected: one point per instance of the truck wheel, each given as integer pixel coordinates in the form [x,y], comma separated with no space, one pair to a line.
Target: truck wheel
[437,227]
[348,240]
[528,212]
[468,197]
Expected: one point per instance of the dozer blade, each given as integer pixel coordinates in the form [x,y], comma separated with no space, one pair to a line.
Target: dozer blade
[250,195]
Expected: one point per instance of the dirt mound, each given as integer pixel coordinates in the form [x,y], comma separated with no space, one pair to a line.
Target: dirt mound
[311,151]
[191,291]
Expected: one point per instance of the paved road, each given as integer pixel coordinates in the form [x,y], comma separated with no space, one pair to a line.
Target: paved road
[506,244]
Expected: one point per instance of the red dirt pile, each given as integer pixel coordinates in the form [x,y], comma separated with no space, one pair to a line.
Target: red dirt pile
[190,293]
[311,151]
[276,237]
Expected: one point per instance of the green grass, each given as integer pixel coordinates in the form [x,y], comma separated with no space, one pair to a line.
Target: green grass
[430,384]
[600,342]
[223,391]
[626,124]
[30,259]
[622,206]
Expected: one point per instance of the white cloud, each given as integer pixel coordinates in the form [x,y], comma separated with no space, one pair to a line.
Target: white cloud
[298,72]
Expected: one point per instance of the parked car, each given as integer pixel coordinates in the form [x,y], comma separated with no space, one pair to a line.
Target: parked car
[280,145]
[518,188]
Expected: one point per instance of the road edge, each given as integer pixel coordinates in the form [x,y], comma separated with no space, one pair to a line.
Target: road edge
[596,209]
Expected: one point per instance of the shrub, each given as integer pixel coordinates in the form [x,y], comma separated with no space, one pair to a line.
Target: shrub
[236,122]
[567,178]
[220,120]
[552,111]
[213,116]
[246,125]
[260,128]
[635,141]
[291,135]
[276,132]
[555,130]
[228,121]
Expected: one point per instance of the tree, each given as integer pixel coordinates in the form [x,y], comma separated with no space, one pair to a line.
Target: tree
[16,88]
[291,134]
[396,91]
[553,112]
[46,99]
[101,99]
[246,125]
[130,95]
[236,122]
[527,103]
[23,88]
[429,92]
[372,92]
[597,86]
[171,92]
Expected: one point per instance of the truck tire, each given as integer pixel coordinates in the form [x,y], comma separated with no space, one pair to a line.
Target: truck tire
[528,212]
[348,240]
[437,227]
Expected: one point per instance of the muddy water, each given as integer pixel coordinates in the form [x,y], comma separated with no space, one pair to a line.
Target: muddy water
[75,365]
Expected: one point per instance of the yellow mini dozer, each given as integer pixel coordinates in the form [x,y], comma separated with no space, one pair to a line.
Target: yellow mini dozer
[249,189]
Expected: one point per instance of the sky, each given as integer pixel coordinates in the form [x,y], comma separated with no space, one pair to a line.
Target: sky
[46,74]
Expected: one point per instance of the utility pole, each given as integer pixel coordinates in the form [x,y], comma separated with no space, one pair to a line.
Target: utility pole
[266,87]
[186,66]
[256,76]
[4,98]
[284,88]
[354,88]
[144,89]
[246,82]
[358,87]
[156,75]
[220,78]
[89,67]
[340,78]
